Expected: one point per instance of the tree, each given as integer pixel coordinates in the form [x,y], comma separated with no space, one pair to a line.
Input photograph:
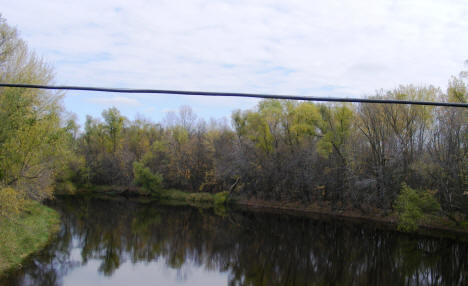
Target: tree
[409,125]
[414,206]
[32,138]
[335,129]
[114,123]
[146,179]
[447,166]
[305,119]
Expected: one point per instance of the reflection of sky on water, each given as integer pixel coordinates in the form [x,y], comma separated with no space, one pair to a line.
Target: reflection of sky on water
[154,273]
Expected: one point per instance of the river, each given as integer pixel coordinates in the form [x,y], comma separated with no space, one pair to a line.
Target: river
[125,242]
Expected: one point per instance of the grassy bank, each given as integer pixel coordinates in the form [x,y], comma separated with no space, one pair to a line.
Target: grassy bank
[25,234]
[193,198]
[167,196]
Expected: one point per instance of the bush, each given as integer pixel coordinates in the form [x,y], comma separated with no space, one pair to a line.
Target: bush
[200,198]
[413,206]
[11,202]
[146,179]
[220,198]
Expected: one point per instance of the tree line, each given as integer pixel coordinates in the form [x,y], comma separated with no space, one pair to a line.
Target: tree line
[345,155]
[358,156]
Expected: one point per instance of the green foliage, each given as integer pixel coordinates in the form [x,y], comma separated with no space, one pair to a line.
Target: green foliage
[306,118]
[200,198]
[239,121]
[146,179]
[277,121]
[259,131]
[220,198]
[180,134]
[114,123]
[178,197]
[174,195]
[413,206]
[27,233]
[11,202]
[33,141]
[335,128]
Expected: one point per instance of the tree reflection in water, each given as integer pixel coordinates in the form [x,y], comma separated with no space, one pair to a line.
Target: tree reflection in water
[252,248]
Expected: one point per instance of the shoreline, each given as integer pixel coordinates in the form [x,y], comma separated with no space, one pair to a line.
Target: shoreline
[388,222]
[437,227]
[30,234]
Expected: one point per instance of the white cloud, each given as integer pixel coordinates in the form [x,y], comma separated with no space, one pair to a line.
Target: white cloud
[284,47]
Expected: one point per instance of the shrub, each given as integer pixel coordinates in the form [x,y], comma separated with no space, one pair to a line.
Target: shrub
[200,198]
[146,179]
[11,202]
[173,194]
[220,198]
[413,206]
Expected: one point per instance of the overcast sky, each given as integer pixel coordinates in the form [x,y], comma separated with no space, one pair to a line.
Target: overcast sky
[316,48]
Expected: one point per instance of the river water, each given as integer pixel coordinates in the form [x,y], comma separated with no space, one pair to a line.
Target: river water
[124,242]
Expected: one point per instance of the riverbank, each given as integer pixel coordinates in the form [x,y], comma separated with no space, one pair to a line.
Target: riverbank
[165,196]
[26,234]
[434,225]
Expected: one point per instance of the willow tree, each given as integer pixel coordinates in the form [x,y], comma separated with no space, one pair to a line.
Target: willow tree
[335,143]
[32,140]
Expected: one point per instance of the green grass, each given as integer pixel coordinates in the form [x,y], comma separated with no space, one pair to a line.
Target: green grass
[177,197]
[25,234]
[165,196]
[201,198]
[173,196]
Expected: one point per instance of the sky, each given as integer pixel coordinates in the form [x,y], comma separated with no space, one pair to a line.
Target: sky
[310,48]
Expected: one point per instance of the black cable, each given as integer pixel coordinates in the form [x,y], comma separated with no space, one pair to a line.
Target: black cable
[236,94]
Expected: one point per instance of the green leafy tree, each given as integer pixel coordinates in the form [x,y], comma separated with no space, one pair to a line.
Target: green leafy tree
[305,120]
[146,179]
[114,123]
[32,138]
[335,128]
[413,207]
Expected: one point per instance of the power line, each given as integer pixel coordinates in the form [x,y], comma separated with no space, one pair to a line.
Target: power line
[235,94]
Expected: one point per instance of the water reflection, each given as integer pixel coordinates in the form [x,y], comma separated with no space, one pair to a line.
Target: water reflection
[119,241]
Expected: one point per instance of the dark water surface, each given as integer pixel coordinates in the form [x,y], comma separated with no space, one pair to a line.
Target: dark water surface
[122,242]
